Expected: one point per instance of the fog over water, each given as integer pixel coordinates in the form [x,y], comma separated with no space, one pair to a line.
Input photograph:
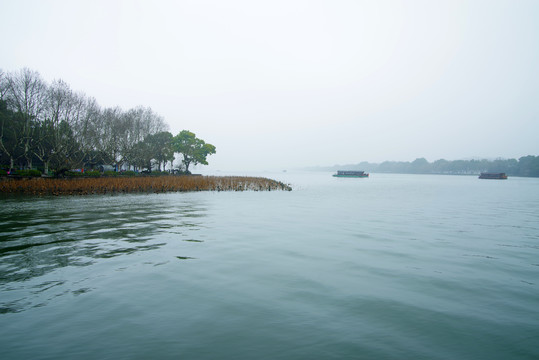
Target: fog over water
[284,84]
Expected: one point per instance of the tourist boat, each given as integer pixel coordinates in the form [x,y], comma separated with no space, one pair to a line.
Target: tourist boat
[350,173]
[496,176]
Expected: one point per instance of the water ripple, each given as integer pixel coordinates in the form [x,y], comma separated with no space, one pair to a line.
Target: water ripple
[38,237]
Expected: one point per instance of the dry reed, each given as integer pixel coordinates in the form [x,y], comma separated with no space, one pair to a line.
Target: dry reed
[148,184]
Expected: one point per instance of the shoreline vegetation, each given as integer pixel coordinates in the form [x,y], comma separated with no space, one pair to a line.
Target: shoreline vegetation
[142,184]
[50,128]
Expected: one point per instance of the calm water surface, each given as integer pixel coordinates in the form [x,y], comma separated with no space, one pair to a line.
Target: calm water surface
[390,267]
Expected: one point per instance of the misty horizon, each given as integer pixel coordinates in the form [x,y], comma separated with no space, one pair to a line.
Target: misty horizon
[286,85]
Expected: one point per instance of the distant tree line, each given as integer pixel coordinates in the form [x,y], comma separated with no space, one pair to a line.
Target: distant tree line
[56,128]
[524,166]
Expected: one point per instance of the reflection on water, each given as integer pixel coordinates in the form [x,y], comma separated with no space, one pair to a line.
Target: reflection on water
[390,267]
[39,236]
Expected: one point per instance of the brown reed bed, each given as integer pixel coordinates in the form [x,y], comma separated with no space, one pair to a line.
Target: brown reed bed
[147,184]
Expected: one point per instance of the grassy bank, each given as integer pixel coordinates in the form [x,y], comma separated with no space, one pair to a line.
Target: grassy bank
[85,186]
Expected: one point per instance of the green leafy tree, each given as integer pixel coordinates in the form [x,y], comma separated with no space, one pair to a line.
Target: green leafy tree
[141,155]
[155,147]
[420,166]
[160,145]
[194,150]
[529,166]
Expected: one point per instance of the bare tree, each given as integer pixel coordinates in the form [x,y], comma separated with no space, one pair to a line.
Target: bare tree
[10,134]
[64,129]
[88,131]
[26,93]
[47,136]
[110,132]
[3,84]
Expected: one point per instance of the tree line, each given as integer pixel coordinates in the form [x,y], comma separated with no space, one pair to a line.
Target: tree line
[56,128]
[524,166]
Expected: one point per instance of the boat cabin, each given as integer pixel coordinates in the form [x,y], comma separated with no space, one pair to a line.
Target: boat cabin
[495,176]
[350,173]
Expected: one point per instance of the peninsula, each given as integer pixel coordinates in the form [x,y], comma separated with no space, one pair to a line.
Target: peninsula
[137,184]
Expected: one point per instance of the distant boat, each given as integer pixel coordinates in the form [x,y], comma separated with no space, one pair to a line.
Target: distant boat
[350,173]
[495,176]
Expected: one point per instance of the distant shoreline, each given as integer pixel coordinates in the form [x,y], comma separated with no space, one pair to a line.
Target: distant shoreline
[525,166]
[117,185]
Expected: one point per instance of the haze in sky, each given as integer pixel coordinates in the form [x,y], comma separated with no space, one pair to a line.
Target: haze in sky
[283,84]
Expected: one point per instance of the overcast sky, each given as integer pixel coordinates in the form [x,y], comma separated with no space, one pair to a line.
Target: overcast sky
[282,84]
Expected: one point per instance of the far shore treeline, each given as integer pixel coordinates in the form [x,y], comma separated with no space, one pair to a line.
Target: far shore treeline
[53,129]
[525,166]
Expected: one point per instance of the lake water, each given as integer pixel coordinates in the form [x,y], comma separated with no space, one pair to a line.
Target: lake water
[389,267]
